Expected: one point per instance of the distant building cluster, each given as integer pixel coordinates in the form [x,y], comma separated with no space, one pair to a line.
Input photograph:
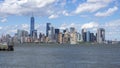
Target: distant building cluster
[55,35]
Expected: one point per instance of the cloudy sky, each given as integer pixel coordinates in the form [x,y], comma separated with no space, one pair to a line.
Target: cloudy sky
[90,14]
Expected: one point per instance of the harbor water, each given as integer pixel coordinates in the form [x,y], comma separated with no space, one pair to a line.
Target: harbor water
[61,56]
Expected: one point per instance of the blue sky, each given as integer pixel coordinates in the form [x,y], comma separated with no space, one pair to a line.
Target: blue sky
[89,14]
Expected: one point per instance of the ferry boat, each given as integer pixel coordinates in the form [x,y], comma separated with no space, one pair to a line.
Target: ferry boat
[6,47]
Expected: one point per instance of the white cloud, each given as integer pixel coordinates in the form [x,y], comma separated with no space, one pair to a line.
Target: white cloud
[26,7]
[63,26]
[90,25]
[92,6]
[0,28]
[53,16]
[107,13]
[4,20]
[89,7]
[63,3]
[115,23]
[12,31]
[105,1]
[65,13]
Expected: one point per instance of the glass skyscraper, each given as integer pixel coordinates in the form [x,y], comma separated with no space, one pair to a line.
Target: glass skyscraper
[32,26]
[47,28]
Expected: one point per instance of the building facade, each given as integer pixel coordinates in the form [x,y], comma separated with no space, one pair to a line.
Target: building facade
[32,28]
[101,35]
[48,25]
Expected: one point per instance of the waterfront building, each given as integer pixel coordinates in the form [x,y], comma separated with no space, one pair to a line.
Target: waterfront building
[60,38]
[101,35]
[43,39]
[88,36]
[84,31]
[7,37]
[65,30]
[14,39]
[72,29]
[35,35]
[40,37]
[48,29]
[73,38]
[32,28]
[22,35]
[92,37]
[79,37]
[51,34]
[66,37]
[46,39]
[57,31]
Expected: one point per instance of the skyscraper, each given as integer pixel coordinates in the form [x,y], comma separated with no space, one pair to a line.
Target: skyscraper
[88,36]
[92,37]
[57,31]
[32,26]
[84,33]
[52,33]
[73,38]
[72,29]
[47,28]
[101,35]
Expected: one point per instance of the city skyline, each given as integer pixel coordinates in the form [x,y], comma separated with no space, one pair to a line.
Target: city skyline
[90,14]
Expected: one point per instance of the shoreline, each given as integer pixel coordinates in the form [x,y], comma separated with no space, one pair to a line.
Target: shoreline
[54,44]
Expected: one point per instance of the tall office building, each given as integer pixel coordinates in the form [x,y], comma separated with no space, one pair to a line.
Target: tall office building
[100,35]
[72,29]
[22,35]
[52,30]
[48,28]
[66,37]
[65,30]
[79,37]
[57,31]
[92,37]
[84,35]
[60,38]
[35,35]
[73,38]
[32,26]
[88,36]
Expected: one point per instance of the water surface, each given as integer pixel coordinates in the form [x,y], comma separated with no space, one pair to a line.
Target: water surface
[61,56]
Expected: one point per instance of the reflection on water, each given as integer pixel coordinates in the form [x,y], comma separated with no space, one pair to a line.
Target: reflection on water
[62,57]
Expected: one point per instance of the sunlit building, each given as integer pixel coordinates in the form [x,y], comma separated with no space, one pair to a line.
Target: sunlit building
[60,38]
[73,38]
[101,35]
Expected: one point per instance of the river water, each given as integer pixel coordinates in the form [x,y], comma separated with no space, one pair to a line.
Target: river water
[61,56]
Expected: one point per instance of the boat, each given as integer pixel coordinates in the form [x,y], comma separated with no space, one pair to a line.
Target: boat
[6,47]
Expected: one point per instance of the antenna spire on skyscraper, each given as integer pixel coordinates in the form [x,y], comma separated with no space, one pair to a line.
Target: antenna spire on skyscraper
[32,14]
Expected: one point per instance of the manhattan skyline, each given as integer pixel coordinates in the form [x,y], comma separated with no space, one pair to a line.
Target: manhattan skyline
[90,14]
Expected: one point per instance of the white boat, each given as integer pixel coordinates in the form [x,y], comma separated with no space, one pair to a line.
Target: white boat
[5,46]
